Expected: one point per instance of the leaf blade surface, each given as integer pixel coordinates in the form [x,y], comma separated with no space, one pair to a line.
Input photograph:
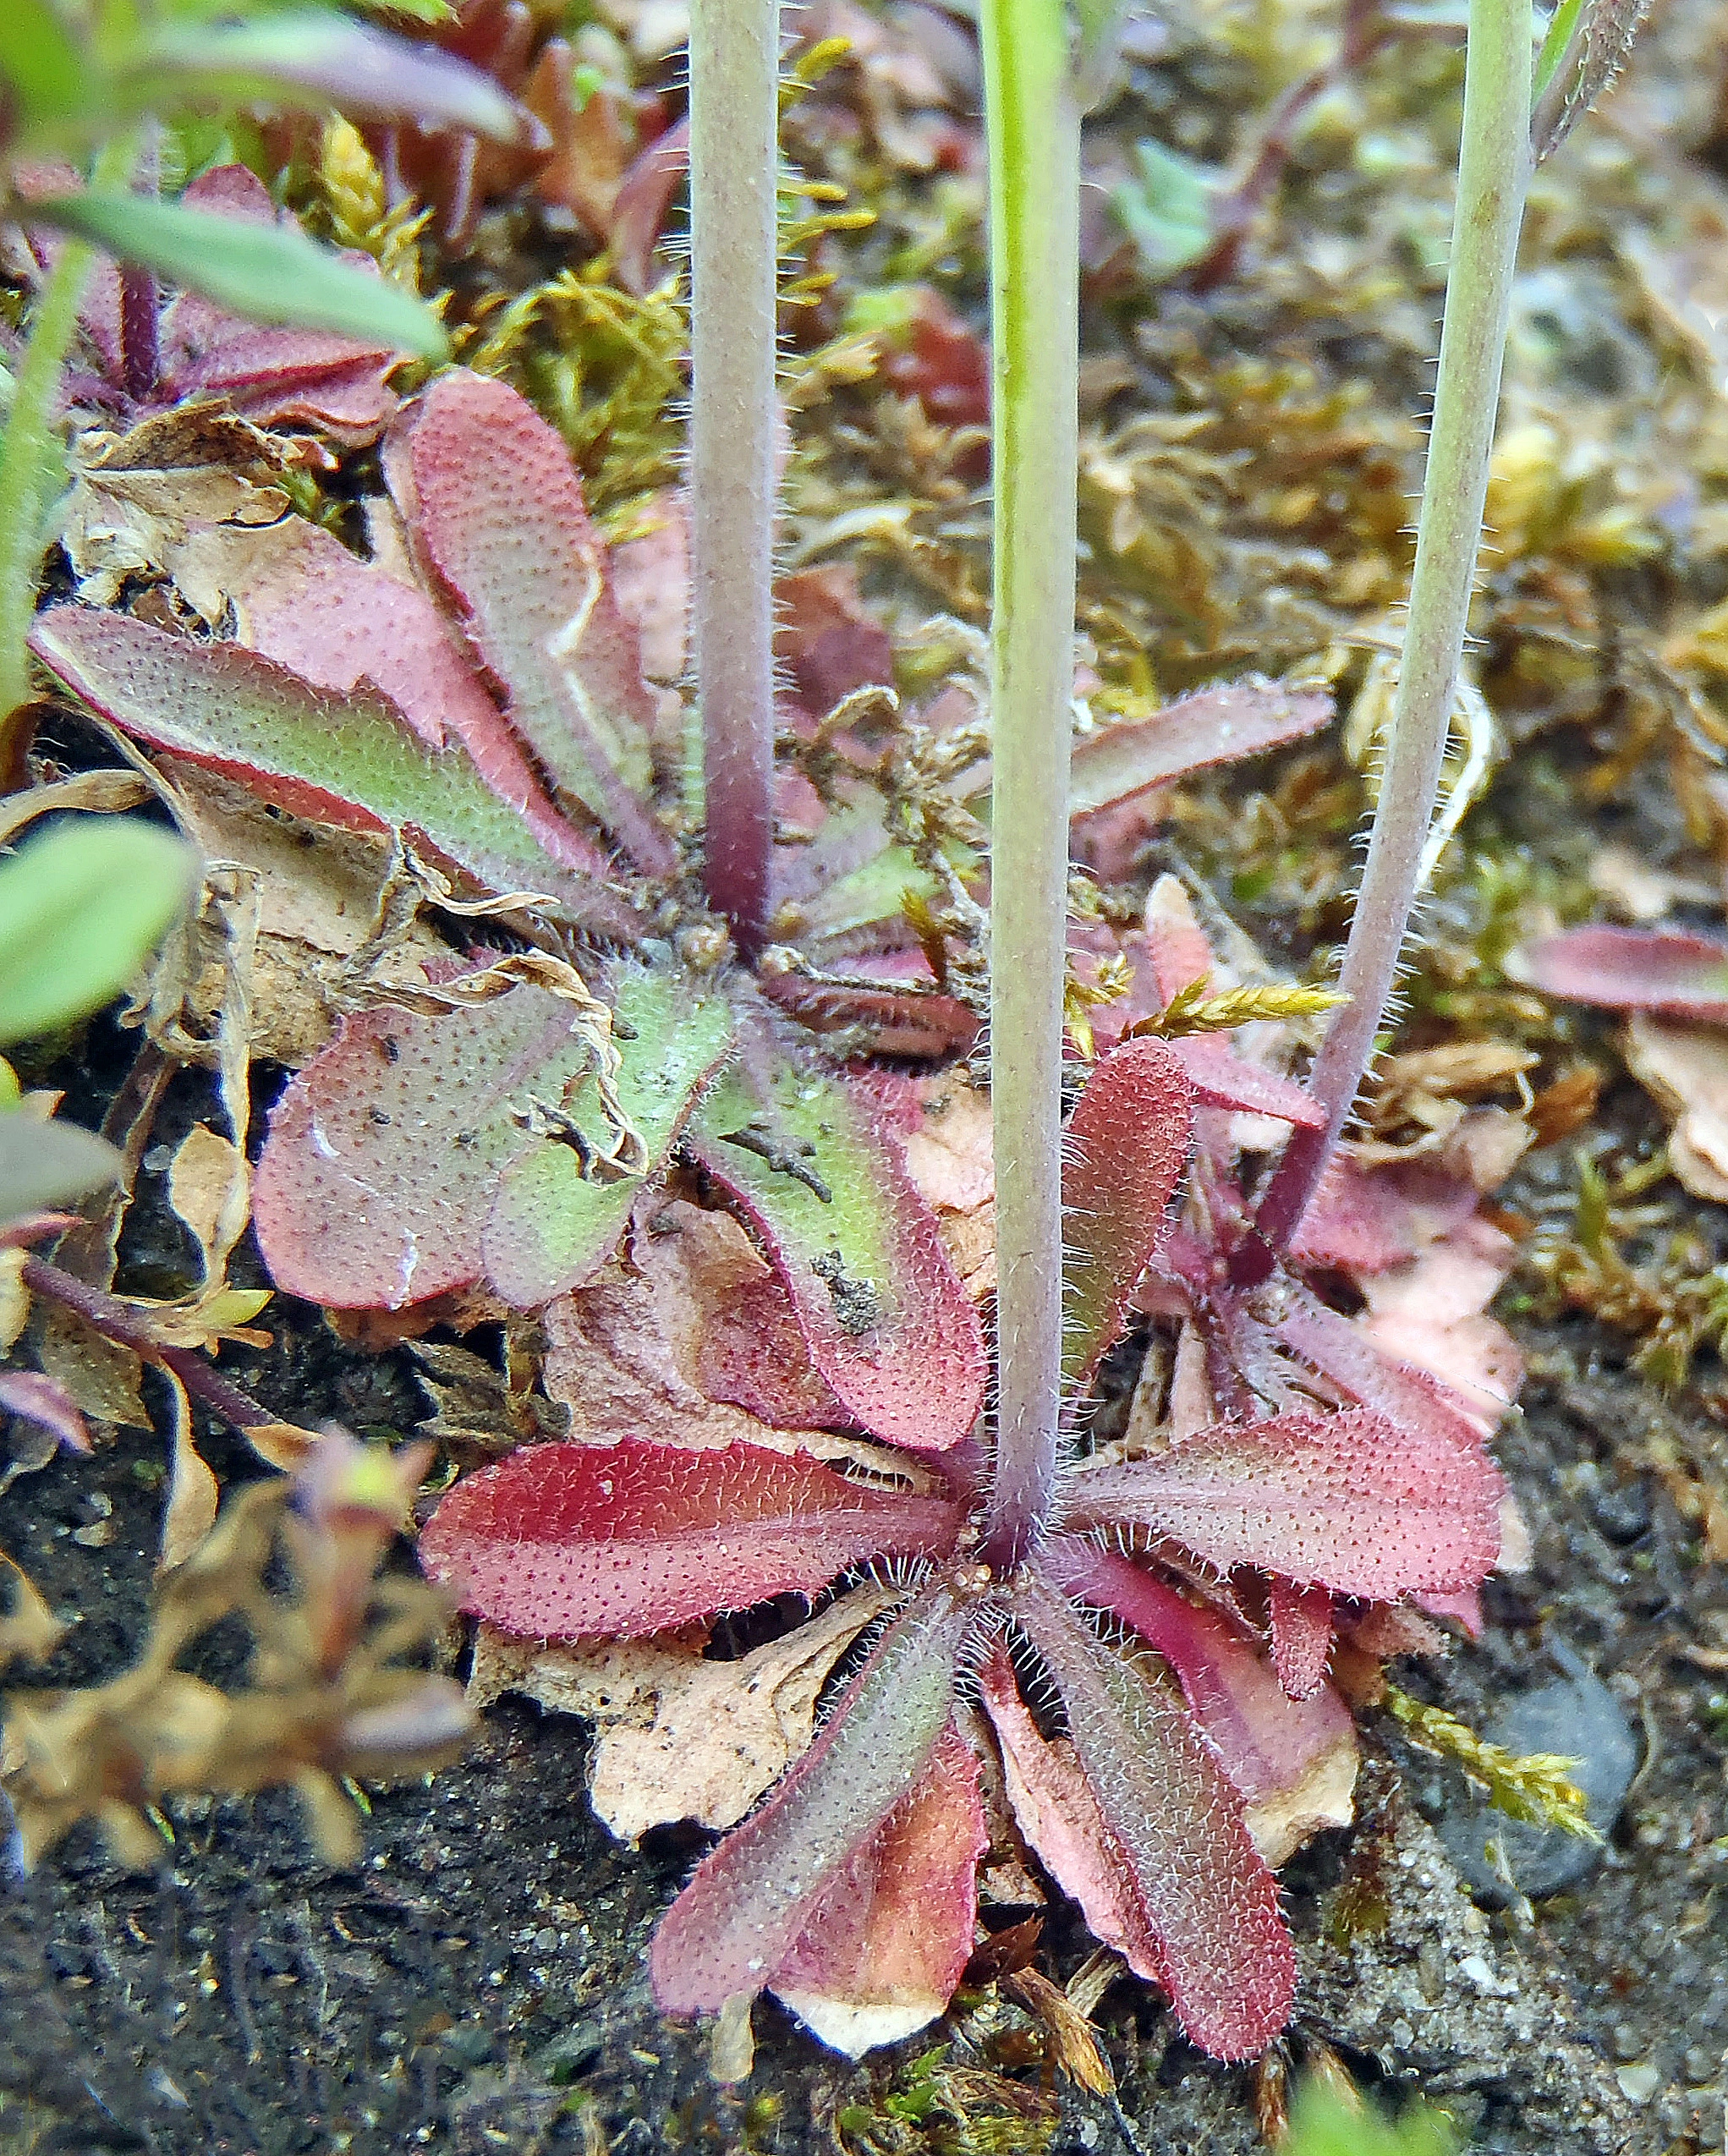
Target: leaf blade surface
[886,1320]
[569,1541]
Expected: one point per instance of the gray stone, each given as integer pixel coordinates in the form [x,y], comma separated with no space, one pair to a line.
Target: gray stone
[1577,1716]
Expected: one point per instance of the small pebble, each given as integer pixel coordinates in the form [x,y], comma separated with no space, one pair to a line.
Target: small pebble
[1621,1512]
[1577,1716]
[1639,2083]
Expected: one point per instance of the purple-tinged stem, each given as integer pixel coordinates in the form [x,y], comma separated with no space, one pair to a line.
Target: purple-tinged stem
[140,300]
[734,471]
[119,1322]
[1494,172]
[140,358]
[1032,124]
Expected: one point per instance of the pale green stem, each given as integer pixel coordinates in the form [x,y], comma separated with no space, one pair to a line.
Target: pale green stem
[1033,133]
[734,447]
[25,448]
[1494,172]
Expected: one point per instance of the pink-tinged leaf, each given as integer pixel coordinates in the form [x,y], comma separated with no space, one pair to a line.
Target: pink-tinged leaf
[274,377]
[1385,1630]
[889,1936]
[1340,1349]
[934,354]
[1350,1501]
[633,1350]
[1206,1906]
[43,1401]
[1223,1079]
[896,1023]
[567,1541]
[651,583]
[494,511]
[1123,1153]
[350,761]
[1357,1223]
[1178,952]
[1431,1314]
[342,624]
[384,1153]
[1055,1809]
[753,1357]
[1294,1761]
[819,1183]
[826,638]
[1300,1619]
[747,1910]
[1679,975]
[639,210]
[1213,726]
[1463,1606]
[552,1226]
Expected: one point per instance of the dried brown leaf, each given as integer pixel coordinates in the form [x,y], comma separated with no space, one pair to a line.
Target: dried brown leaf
[1685,1069]
[29,1631]
[190,1511]
[679,1736]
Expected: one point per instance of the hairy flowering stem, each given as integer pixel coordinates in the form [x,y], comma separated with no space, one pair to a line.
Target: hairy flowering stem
[734,135]
[1033,130]
[1494,170]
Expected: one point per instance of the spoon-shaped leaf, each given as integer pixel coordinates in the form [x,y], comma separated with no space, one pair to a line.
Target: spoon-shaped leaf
[1123,1152]
[820,1184]
[888,1940]
[1350,1501]
[563,1541]
[745,1913]
[495,514]
[1202,1903]
[347,760]
[385,1152]
[551,1224]
[1681,975]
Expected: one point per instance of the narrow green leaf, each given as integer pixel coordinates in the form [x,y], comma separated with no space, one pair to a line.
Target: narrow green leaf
[49,1164]
[269,273]
[81,907]
[318,58]
[1562,27]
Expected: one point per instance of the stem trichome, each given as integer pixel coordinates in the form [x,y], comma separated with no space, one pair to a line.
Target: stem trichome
[733,453]
[1033,133]
[1494,172]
